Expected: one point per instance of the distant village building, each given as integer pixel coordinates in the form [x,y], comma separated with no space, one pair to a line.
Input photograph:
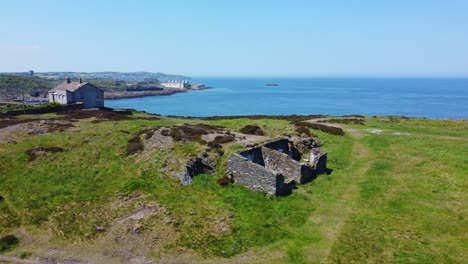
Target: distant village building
[77,92]
[176,84]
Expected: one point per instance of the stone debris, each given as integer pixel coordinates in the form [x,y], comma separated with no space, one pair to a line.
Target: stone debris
[375,131]
[400,134]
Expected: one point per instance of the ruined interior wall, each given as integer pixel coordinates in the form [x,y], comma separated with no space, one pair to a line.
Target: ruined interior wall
[251,175]
[281,145]
[255,155]
[281,163]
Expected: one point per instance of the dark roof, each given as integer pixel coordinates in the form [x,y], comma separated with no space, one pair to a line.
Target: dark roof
[72,86]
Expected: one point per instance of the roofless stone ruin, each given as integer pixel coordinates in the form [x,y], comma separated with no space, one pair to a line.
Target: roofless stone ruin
[275,168]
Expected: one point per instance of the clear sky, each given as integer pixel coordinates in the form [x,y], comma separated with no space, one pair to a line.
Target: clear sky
[237,37]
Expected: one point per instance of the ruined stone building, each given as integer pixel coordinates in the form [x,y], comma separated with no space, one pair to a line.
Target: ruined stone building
[275,167]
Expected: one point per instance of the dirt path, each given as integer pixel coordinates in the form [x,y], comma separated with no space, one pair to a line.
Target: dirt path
[331,218]
[13,260]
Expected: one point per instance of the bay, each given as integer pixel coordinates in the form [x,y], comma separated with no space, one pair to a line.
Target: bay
[416,97]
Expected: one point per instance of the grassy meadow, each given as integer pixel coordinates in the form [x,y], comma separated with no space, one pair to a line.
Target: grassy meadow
[395,196]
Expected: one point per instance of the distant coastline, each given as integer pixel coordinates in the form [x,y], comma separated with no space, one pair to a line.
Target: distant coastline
[138,94]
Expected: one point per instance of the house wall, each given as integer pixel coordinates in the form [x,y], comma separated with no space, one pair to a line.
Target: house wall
[90,96]
[60,96]
[179,85]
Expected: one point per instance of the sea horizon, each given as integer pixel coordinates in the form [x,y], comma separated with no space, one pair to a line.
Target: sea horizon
[425,97]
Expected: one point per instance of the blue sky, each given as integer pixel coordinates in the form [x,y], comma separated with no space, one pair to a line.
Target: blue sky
[238,38]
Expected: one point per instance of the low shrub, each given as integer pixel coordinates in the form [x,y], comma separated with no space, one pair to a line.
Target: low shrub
[356,121]
[224,139]
[34,152]
[252,130]
[224,181]
[327,129]
[8,242]
[191,133]
[134,145]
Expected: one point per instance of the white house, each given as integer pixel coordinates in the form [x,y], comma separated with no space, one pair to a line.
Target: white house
[176,84]
[77,92]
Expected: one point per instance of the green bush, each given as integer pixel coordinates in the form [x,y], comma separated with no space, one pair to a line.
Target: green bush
[8,242]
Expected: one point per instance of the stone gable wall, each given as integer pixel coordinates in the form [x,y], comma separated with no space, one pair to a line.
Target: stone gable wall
[251,175]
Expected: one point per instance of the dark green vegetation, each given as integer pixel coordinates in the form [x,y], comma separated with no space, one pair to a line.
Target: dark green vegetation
[31,86]
[15,107]
[8,242]
[38,87]
[252,130]
[391,198]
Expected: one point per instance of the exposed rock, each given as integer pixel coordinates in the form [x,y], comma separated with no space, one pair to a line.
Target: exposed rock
[193,132]
[100,229]
[194,167]
[35,152]
[137,228]
[159,139]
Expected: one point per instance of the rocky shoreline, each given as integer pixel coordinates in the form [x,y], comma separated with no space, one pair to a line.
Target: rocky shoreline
[137,94]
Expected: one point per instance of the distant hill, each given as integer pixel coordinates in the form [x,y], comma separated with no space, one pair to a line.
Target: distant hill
[37,86]
[115,76]
[11,85]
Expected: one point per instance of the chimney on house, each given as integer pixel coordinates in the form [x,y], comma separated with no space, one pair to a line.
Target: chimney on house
[68,80]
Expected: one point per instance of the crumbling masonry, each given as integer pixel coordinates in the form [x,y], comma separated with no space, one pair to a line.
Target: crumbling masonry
[275,167]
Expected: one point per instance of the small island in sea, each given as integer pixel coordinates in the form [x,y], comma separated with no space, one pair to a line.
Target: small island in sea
[272,84]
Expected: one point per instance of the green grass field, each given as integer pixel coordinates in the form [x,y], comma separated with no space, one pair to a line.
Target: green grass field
[392,198]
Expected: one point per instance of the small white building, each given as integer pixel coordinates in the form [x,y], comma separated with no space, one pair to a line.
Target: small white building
[77,92]
[176,84]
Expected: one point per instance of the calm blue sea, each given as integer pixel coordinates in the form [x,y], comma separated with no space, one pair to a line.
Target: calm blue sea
[417,97]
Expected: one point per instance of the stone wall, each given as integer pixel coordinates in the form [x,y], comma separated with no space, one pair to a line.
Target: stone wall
[255,155]
[285,146]
[256,177]
[271,169]
[318,160]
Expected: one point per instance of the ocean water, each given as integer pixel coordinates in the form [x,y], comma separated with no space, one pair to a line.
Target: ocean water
[416,97]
